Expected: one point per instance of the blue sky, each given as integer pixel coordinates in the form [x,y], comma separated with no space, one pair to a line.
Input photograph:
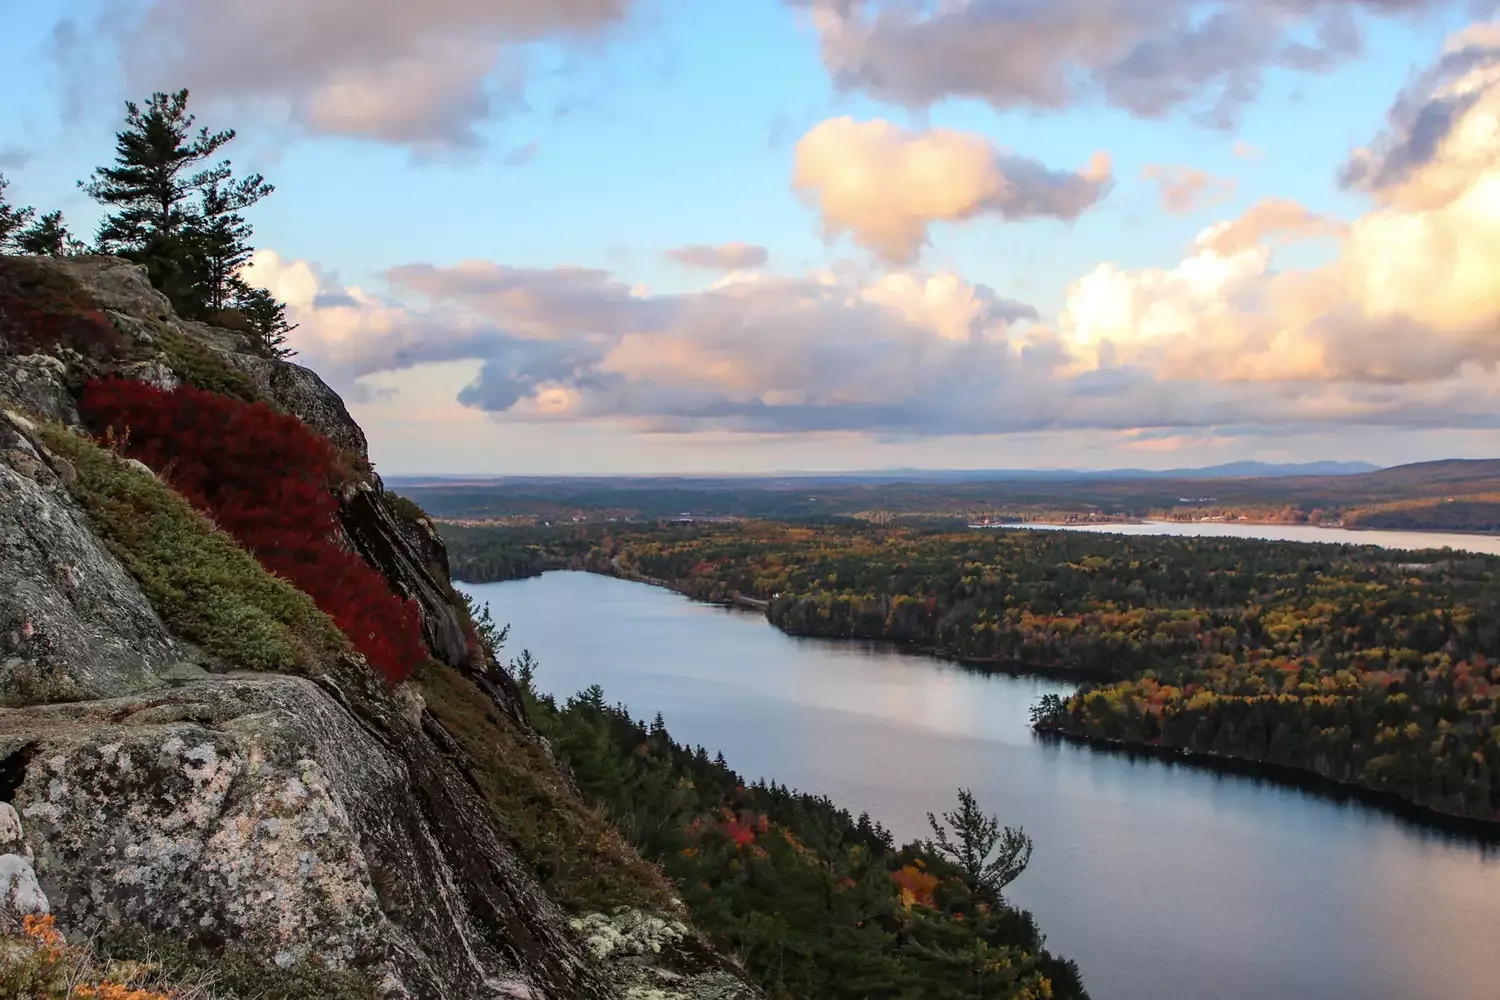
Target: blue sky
[611,131]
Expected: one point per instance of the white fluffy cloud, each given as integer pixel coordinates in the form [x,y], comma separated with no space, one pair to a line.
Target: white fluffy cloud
[1410,297]
[415,73]
[885,185]
[1397,329]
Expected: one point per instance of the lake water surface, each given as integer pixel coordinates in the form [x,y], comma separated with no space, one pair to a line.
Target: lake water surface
[1164,882]
[1489,544]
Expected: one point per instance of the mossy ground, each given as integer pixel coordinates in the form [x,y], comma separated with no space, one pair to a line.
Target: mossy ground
[579,855]
[206,588]
[201,367]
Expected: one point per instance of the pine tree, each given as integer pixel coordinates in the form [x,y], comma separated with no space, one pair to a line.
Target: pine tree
[183,225]
[13,221]
[49,237]
[968,838]
[267,318]
[219,244]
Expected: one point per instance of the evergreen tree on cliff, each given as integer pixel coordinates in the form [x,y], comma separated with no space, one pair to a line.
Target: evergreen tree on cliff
[13,221]
[267,319]
[49,237]
[178,216]
[219,237]
[990,856]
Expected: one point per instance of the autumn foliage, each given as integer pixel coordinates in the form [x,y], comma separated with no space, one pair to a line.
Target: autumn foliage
[917,887]
[39,964]
[264,478]
[42,309]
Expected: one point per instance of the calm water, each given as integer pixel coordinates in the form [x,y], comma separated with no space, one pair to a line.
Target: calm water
[1293,533]
[1163,882]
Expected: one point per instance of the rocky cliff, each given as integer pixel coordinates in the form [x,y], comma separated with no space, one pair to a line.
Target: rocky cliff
[155,790]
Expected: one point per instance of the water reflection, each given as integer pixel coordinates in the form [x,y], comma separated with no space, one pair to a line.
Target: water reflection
[1162,881]
[1488,544]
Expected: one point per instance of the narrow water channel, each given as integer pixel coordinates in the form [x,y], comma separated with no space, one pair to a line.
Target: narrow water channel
[1164,882]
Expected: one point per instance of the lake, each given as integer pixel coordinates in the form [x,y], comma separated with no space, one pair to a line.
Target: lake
[1489,544]
[1163,881]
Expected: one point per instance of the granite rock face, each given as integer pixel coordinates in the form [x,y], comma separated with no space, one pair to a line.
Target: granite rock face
[21,894]
[296,817]
[73,622]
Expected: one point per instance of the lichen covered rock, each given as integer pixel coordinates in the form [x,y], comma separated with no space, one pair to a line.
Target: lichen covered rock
[257,811]
[37,382]
[21,895]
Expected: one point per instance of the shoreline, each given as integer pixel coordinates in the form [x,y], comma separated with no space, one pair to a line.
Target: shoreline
[1248,522]
[1282,774]
[1292,777]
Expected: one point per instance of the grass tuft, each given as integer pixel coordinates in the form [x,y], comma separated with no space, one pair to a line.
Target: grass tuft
[39,964]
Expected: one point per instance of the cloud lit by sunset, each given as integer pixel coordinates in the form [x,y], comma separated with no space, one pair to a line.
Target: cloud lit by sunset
[847,233]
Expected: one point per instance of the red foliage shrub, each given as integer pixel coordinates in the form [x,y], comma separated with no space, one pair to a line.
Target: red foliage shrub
[742,831]
[264,478]
[42,309]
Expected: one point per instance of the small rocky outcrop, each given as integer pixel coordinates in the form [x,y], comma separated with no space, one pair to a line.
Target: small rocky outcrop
[318,819]
[375,530]
[73,623]
[21,895]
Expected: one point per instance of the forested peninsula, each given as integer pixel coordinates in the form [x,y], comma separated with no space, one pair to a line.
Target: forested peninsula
[1371,668]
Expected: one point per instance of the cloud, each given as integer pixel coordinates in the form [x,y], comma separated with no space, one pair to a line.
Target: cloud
[1149,57]
[522,155]
[1426,113]
[1246,151]
[724,257]
[1270,218]
[13,157]
[346,333]
[1398,328]
[417,74]
[885,185]
[908,353]
[1184,189]
[1409,300]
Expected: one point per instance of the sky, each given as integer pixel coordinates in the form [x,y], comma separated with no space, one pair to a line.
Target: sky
[671,236]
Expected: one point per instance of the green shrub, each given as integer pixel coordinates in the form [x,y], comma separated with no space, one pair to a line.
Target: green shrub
[406,509]
[202,367]
[206,588]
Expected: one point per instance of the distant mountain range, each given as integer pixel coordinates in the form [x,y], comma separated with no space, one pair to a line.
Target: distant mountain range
[1229,470]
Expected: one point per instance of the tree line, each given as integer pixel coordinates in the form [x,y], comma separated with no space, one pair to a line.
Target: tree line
[174,208]
[1358,664]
